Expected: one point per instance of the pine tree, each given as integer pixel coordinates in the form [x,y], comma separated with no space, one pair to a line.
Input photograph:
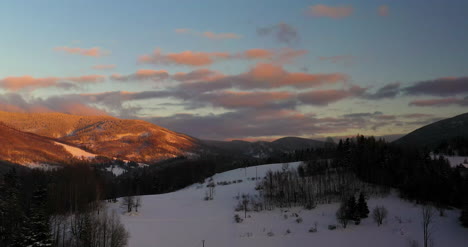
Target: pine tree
[351,209]
[362,208]
[11,213]
[464,215]
[36,231]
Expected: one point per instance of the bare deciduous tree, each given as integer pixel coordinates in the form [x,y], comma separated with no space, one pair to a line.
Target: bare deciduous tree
[128,203]
[379,213]
[137,203]
[428,213]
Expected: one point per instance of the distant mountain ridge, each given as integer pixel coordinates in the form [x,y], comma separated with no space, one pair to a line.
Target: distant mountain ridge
[134,140]
[433,134]
[263,149]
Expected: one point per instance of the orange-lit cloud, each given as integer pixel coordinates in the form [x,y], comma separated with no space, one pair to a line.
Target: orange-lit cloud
[104,66]
[143,74]
[16,83]
[198,75]
[194,58]
[276,76]
[209,34]
[71,105]
[190,58]
[383,10]
[91,52]
[335,12]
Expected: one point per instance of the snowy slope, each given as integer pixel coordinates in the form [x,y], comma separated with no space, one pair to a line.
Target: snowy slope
[76,152]
[457,160]
[183,218]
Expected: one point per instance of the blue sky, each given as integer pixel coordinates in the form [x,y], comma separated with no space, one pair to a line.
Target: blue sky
[374,44]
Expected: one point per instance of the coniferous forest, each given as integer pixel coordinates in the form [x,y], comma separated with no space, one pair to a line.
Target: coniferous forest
[32,202]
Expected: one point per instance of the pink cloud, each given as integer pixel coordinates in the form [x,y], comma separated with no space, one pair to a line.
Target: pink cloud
[190,58]
[91,52]
[194,58]
[198,75]
[383,10]
[104,66]
[337,12]
[16,83]
[276,76]
[209,34]
[142,75]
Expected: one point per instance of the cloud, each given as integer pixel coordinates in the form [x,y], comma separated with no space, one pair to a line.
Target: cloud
[254,123]
[336,12]
[440,102]
[325,97]
[191,58]
[263,76]
[275,76]
[383,10]
[390,90]
[209,34]
[284,33]
[217,36]
[69,105]
[233,99]
[447,86]
[143,75]
[198,75]
[104,66]
[91,52]
[194,58]
[16,83]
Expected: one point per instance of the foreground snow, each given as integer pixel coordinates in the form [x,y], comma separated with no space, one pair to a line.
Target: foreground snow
[183,218]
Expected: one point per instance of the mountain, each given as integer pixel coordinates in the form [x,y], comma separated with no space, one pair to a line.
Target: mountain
[263,149]
[27,148]
[436,133]
[134,140]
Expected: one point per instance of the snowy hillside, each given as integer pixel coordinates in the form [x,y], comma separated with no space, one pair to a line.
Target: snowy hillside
[183,218]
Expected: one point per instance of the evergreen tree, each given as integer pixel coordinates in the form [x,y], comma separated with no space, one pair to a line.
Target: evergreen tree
[11,213]
[36,232]
[351,209]
[464,215]
[362,208]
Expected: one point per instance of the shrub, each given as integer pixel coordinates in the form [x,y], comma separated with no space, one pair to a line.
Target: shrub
[299,220]
[331,227]
[238,219]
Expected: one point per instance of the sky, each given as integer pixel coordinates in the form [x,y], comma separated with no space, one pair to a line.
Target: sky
[251,70]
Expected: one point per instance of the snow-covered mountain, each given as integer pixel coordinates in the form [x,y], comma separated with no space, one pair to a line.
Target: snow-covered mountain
[183,218]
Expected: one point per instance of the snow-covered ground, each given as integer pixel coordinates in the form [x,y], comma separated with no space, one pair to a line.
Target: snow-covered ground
[183,218]
[116,170]
[76,152]
[457,160]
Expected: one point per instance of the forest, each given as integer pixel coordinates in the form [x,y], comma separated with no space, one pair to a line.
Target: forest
[71,198]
